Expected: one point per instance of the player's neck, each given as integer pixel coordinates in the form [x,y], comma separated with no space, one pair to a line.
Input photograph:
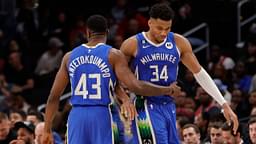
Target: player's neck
[149,37]
[94,39]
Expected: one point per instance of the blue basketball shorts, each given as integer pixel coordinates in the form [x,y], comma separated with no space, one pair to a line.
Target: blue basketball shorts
[155,124]
[89,125]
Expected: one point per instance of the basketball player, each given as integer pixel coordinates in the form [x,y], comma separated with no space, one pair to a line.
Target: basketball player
[154,56]
[93,69]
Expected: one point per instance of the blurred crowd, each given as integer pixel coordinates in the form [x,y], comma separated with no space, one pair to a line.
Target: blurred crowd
[34,36]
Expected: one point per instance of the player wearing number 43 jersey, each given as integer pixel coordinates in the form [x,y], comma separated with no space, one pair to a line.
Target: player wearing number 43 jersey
[154,56]
[93,70]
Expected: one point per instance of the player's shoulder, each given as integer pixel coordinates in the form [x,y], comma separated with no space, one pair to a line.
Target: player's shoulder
[67,54]
[181,42]
[131,40]
[115,56]
[179,37]
[114,52]
[66,57]
[129,45]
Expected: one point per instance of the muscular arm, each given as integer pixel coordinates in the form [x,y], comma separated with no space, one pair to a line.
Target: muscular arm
[121,94]
[187,56]
[127,108]
[59,85]
[125,75]
[203,78]
[190,61]
[129,48]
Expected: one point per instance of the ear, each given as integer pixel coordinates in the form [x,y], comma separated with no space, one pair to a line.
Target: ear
[238,134]
[88,34]
[199,135]
[149,22]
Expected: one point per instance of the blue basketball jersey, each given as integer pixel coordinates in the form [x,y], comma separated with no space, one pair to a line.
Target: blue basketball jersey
[156,63]
[91,75]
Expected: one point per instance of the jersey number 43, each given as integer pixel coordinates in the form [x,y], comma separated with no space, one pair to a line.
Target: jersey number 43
[81,88]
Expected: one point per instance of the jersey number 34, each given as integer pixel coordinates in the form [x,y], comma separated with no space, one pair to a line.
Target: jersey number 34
[158,73]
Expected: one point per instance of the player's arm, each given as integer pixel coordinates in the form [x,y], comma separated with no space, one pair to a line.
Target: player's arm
[202,77]
[127,108]
[125,75]
[129,48]
[59,85]
[121,94]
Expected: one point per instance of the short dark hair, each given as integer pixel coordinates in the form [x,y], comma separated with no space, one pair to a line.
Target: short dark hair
[252,120]
[216,124]
[195,127]
[20,112]
[37,114]
[97,23]
[161,11]
[25,124]
[3,116]
[229,127]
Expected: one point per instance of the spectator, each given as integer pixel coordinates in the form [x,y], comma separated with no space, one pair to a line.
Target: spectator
[51,59]
[217,57]
[250,57]
[180,122]
[206,104]
[59,27]
[241,79]
[20,77]
[39,133]
[185,106]
[17,116]
[6,134]
[215,133]
[25,132]
[133,23]
[240,103]
[188,83]
[252,130]
[202,121]
[17,102]
[229,137]
[191,134]
[34,117]
[118,10]
[253,112]
[4,92]
[253,83]
[13,46]
[252,99]
[77,34]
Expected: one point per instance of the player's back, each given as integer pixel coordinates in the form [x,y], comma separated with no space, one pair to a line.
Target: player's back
[91,75]
[156,63]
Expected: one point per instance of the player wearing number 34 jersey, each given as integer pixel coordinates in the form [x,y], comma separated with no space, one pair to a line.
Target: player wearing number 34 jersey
[93,70]
[154,56]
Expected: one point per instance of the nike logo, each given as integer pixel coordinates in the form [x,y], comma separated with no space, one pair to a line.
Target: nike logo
[145,46]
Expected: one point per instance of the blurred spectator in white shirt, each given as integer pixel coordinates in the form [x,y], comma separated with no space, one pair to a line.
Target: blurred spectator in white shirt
[51,59]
